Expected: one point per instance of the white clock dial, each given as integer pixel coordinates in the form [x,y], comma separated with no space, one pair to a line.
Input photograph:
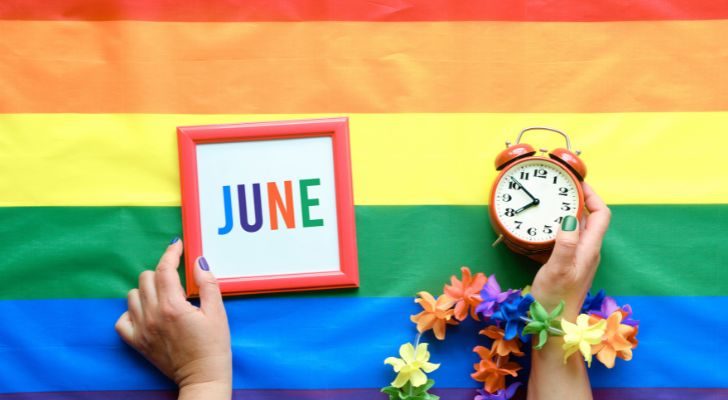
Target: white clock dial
[532,198]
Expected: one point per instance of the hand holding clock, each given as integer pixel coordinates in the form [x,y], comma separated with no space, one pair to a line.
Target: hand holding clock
[569,272]
[568,275]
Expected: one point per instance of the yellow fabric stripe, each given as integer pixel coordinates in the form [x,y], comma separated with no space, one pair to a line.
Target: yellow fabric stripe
[131,159]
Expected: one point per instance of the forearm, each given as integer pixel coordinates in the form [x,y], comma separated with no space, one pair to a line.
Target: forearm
[551,378]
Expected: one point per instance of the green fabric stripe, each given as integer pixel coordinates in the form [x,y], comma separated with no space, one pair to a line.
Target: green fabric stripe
[97,252]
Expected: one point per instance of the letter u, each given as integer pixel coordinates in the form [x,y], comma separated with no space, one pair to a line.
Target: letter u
[257,206]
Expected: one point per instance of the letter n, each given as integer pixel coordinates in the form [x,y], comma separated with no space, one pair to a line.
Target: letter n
[275,202]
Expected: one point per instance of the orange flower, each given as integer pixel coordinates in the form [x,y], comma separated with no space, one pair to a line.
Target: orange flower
[502,347]
[466,293]
[632,339]
[436,314]
[619,340]
[493,373]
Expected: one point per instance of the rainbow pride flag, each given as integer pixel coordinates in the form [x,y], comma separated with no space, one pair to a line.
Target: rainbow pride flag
[91,93]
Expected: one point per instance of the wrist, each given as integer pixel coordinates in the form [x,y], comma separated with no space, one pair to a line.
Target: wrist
[213,390]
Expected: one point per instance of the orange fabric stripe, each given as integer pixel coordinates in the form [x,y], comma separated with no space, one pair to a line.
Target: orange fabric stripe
[362,67]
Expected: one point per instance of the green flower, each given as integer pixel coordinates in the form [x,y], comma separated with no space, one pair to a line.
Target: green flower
[542,322]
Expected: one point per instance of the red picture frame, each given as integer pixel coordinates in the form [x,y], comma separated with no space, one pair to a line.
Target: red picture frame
[335,128]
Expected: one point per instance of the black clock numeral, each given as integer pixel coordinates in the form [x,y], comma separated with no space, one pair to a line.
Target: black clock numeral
[510,212]
[563,191]
[547,229]
[555,177]
[506,197]
[565,206]
[518,224]
[524,175]
[558,220]
[513,185]
[532,231]
[539,173]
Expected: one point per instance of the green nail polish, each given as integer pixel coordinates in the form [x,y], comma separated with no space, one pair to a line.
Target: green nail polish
[569,223]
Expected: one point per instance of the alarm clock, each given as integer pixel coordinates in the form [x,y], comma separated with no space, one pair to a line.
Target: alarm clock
[533,193]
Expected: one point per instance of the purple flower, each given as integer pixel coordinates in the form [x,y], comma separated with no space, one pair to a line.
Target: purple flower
[512,312]
[593,303]
[503,394]
[492,297]
[609,306]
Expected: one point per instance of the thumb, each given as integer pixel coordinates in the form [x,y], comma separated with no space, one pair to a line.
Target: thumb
[562,257]
[210,296]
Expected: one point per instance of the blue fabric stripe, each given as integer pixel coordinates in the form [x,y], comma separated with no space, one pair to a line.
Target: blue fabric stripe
[330,343]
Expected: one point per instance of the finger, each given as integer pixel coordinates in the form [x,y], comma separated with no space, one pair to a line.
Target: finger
[210,296]
[125,328]
[597,221]
[562,258]
[148,293]
[134,303]
[166,278]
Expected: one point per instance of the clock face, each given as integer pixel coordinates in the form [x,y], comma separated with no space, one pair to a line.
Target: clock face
[532,198]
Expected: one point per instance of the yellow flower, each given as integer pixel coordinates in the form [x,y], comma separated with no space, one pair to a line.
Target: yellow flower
[581,336]
[410,366]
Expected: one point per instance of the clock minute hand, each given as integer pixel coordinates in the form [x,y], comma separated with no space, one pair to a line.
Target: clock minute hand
[535,200]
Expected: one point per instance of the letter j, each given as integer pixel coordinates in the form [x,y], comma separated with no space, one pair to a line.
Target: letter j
[227,201]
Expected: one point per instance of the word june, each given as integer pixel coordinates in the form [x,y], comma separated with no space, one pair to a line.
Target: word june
[276,205]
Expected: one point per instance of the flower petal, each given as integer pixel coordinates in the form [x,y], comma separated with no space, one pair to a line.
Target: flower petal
[395,362]
[606,356]
[439,329]
[429,367]
[401,379]
[585,349]
[407,352]
[421,353]
[418,378]
[461,310]
[426,301]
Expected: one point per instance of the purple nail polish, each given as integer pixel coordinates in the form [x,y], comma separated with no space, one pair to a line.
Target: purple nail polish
[203,264]
[175,240]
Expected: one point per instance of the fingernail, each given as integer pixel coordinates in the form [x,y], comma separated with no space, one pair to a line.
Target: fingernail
[569,223]
[175,240]
[203,264]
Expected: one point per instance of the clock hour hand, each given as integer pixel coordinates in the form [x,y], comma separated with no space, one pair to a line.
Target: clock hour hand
[527,206]
[535,200]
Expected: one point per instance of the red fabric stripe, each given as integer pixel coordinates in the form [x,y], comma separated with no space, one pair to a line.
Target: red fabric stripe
[364,10]
[368,394]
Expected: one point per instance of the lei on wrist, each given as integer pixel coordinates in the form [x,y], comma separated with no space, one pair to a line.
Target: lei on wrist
[510,317]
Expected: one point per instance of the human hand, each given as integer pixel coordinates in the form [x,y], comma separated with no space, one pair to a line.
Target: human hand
[569,272]
[190,345]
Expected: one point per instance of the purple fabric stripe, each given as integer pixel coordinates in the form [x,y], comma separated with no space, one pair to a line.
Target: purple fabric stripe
[368,394]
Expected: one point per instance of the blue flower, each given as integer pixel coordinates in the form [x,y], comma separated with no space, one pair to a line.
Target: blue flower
[512,312]
[593,303]
[492,297]
[503,394]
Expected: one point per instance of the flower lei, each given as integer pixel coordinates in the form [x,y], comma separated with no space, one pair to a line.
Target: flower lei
[603,329]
